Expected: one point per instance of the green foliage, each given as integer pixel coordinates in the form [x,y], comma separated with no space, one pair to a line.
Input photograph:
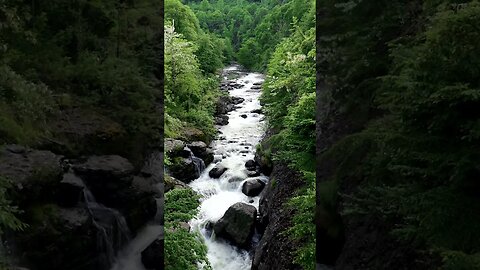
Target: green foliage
[412,93]
[183,249]
[291,84]
[8,212]
[104,55]
[189,95]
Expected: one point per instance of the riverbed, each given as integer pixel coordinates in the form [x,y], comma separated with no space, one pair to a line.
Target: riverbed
[234,146]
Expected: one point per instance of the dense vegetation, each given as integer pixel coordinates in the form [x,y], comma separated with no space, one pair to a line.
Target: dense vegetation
[74,76]
[272,36]
[401,90]
[180,207]
[78,54]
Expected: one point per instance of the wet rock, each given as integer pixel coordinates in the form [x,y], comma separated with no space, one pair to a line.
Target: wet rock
[221,120]
[200,149]
[111,180]
[217,171]
[184,169]
[70,190]
[256,87]
[237,224]
[250,165]
[253,173]
[253,187]
[152,256]
[197,147]
[259,111]
[227,104]
[243,116]
[236,179]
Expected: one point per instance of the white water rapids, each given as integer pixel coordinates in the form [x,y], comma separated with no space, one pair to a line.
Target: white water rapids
[234,146]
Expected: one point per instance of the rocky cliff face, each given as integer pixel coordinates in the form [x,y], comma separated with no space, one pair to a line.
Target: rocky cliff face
[275,248]
[79,212]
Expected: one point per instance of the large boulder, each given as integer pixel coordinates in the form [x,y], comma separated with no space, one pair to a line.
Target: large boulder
[237,224]
[217,171]
[250,165]
[253,187]
[35,174]
[152,256]
[112,181]
[71,190]
[110,166]
[227,104]
[201,150]
[184,169]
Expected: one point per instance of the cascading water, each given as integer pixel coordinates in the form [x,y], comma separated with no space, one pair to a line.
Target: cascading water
[112,229]
[233,148]
[130,257]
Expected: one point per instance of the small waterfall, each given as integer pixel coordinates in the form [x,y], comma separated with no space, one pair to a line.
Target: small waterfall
[198,162]
[112,229]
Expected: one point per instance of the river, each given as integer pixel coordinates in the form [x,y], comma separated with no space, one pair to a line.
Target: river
[234,146]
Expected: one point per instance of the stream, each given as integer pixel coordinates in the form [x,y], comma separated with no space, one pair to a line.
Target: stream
[234,146]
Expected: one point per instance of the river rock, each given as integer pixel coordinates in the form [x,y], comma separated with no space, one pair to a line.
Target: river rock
[237,224]
[243,116]
[253,173]
[236,179]
[110,178]
[70,190]
[253,187]
[221,120]
[184,169]
[197,147]
[217,171]
[200,149]
[250,165]
[259,111]
[256,87]
[152,256]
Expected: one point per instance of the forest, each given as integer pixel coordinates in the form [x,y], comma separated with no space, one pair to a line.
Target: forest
[274,38]
[398,134]
[81,120]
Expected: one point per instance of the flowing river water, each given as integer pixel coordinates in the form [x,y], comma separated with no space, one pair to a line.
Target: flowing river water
[234,146]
